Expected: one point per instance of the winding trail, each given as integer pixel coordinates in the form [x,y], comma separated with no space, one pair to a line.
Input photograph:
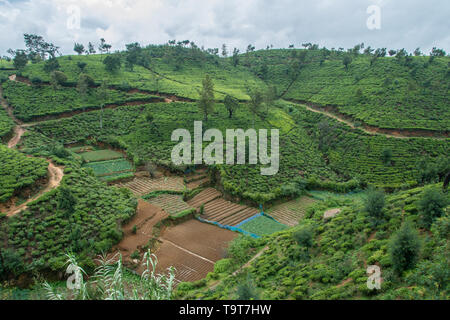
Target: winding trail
[245,266]
[55,174]
[372,130]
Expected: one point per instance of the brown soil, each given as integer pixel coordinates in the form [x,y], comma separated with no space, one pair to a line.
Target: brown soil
[344,282]
[18,132]
[203,239]
[192,248]
[188,267]
[331,213]
[372,236]
[147,216]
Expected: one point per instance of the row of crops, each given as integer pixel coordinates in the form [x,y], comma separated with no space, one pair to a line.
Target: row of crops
[262,225]
[107,165]
[388,93]
[358,154]
[166,78]
[306,150]
[17,171]
[6,123]
[31,102]
[83,216]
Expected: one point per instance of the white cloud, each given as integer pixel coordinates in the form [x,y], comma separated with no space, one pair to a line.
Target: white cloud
[404,23]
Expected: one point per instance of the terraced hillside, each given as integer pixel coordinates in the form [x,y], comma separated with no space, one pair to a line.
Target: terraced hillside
[141,186]
[193,256]
[171,203]
[401,92]
[38,102]
[292,211]
[216,209]
[18,172]
[323,111]
[334,264]
[161,76]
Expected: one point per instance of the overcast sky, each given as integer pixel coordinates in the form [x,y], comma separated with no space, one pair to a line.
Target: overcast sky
[331,23]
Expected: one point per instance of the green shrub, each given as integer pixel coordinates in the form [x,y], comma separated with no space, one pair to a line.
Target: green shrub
[375,203]
[223,265]
[431,206]
[304,236]
[404,248]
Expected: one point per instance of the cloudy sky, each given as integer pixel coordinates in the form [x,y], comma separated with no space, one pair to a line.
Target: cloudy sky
[331,23]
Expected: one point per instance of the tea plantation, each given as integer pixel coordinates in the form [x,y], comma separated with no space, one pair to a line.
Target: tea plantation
[322,259]
[117,127]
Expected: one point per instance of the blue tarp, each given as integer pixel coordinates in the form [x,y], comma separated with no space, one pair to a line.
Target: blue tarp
[230,228]
[237,227]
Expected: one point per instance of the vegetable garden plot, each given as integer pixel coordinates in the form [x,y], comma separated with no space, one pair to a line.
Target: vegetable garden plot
[141,186]
[200,238]
[193,247]
[289,213]
[171,203]
[262,225]
[106,168]
[188,267]
[101,155]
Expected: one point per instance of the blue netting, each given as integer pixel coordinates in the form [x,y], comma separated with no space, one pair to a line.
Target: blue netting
[236,229]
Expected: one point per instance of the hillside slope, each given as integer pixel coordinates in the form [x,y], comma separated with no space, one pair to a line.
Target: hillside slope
[335,266]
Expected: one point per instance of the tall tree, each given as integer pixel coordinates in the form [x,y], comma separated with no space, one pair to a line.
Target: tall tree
[112,63]
[231,104]
[224,50]
[235,57]
[91,48]
[347,61]
[102,94]
[256,100]
[36,45]
[431,206]
[404,248]
[82,87]
[104,47]
[20,59]
[206,102]
[57,78]
[78,48]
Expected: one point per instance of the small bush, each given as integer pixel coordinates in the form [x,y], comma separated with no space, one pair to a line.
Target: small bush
[375,203]
[304,236]
[431,206]
[404,248]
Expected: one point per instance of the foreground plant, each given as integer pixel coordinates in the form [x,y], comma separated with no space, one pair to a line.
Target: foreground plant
[108,282]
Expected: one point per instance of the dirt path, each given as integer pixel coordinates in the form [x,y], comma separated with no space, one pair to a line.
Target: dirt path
[55,174]
[18,132]
[156,98]
[391,133]
[248,264]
